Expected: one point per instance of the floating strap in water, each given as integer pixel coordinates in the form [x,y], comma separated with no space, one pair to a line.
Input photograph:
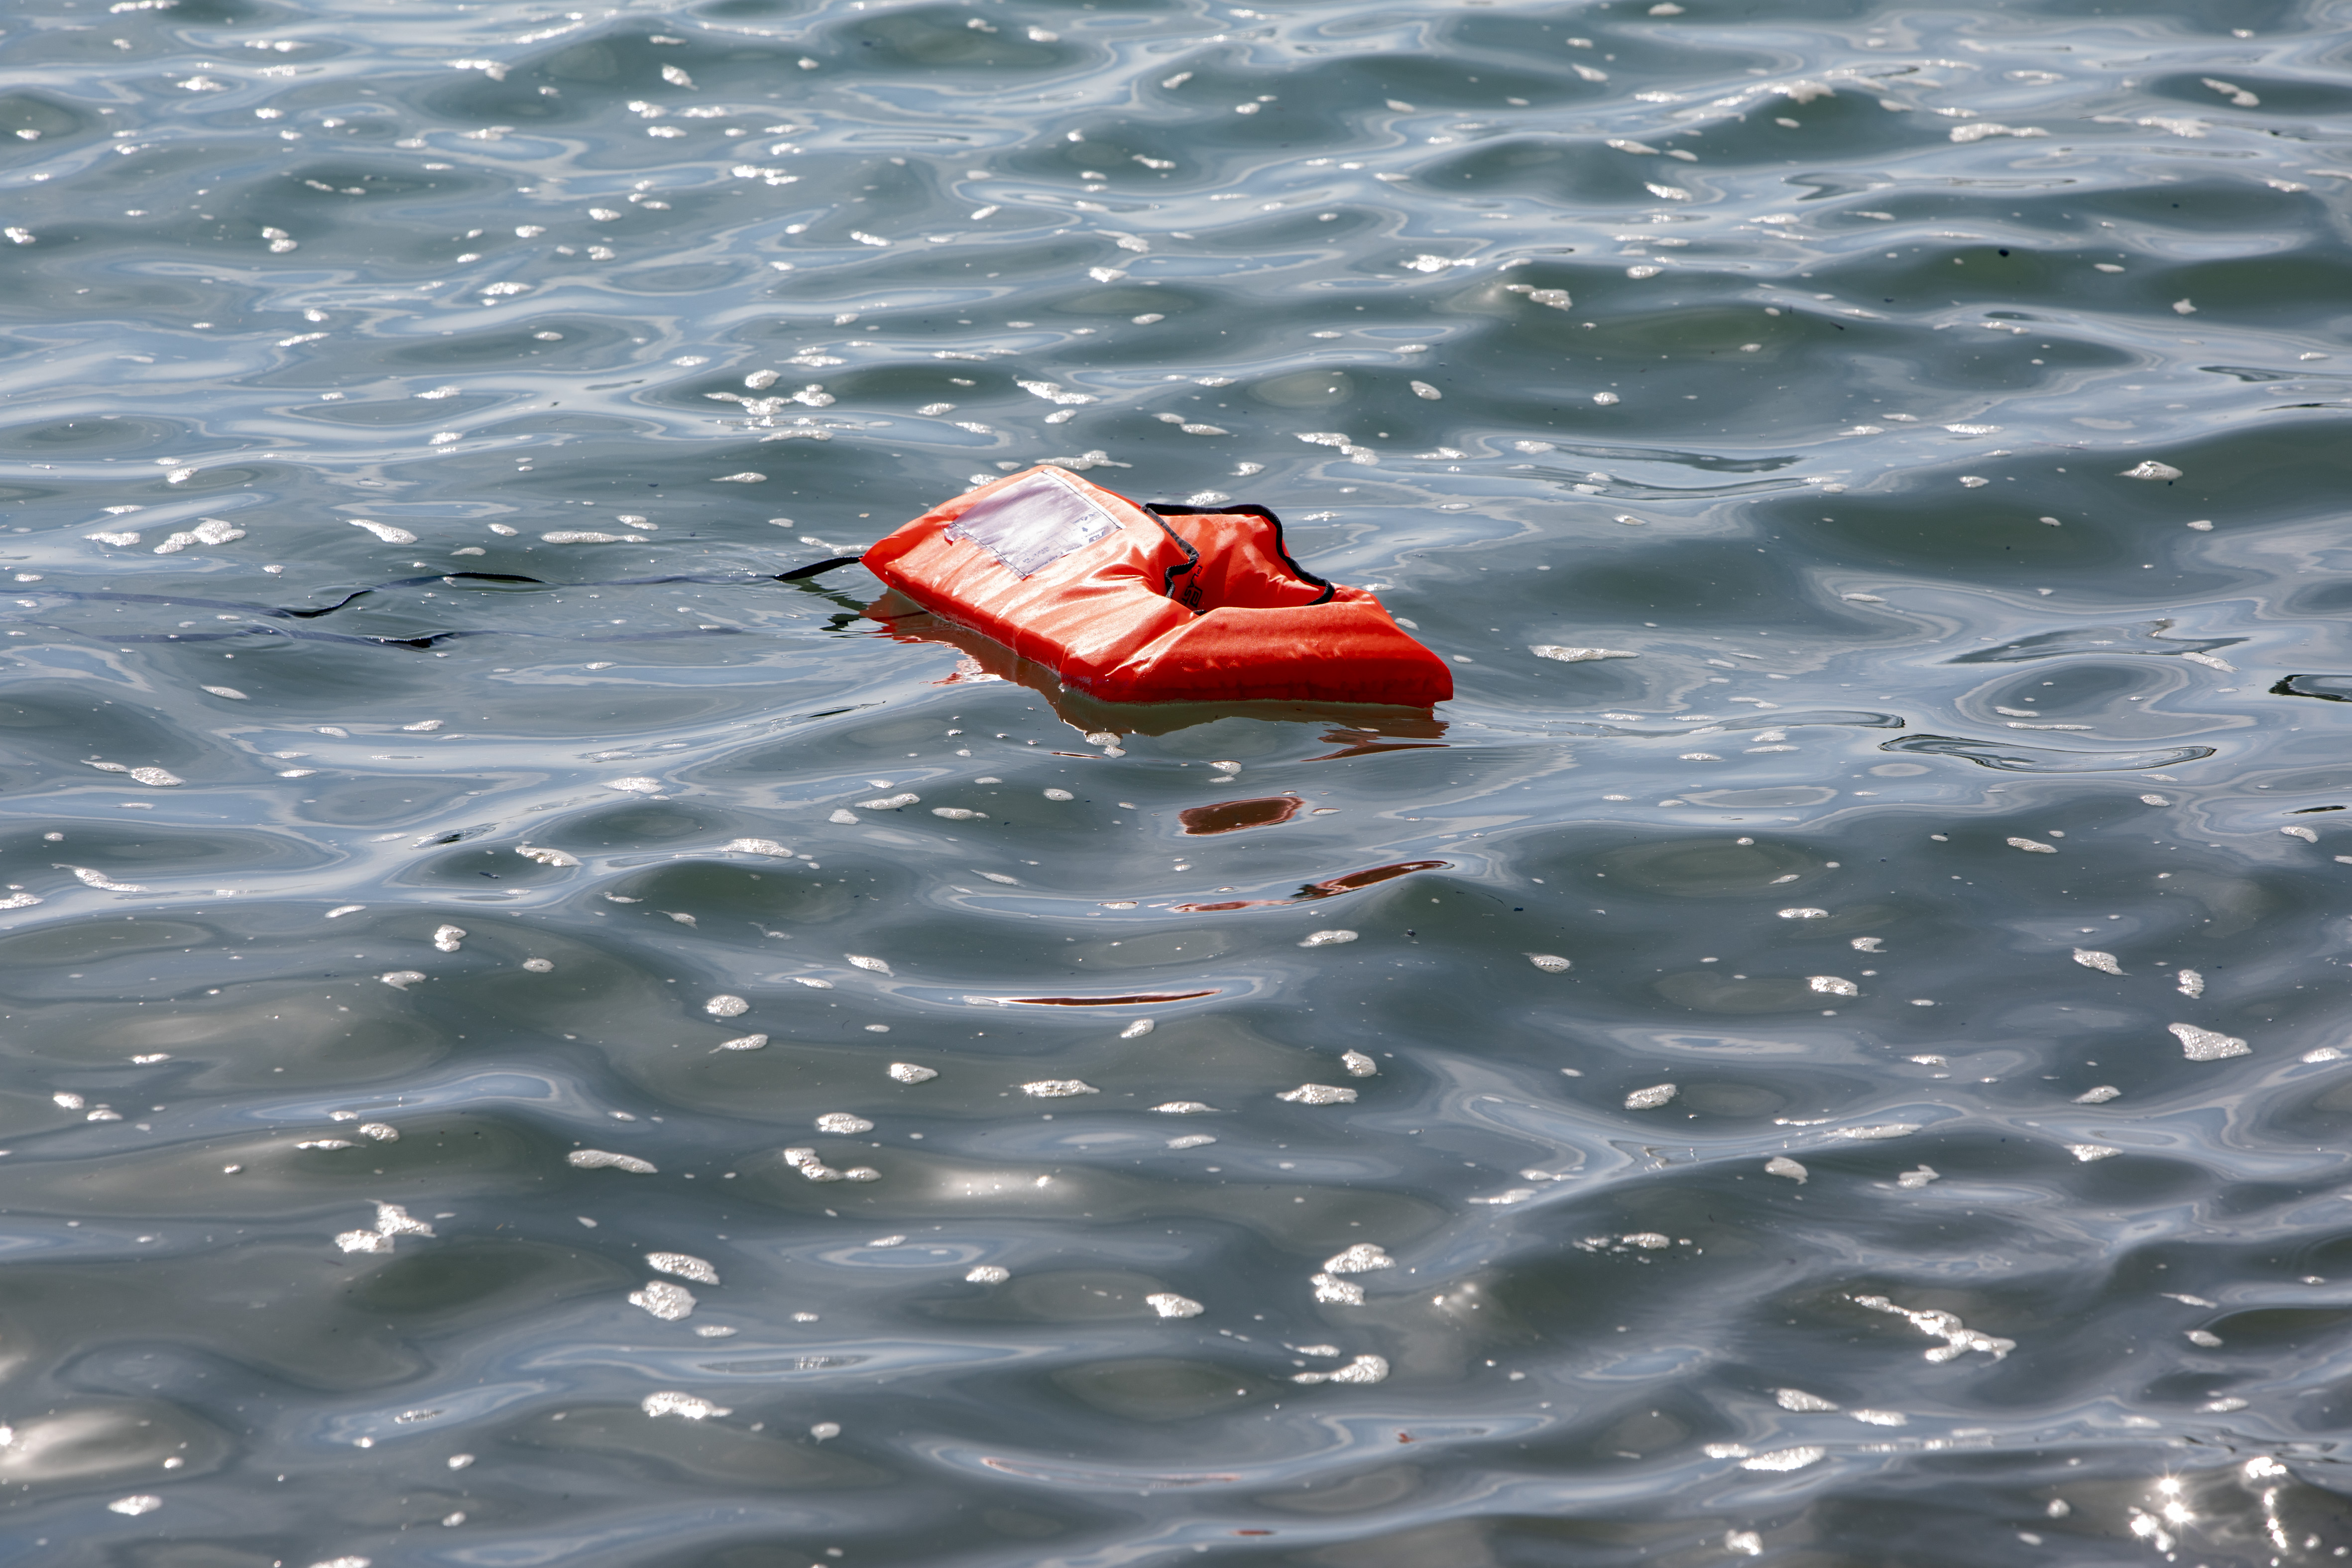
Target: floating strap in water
[276,611]
[800,574]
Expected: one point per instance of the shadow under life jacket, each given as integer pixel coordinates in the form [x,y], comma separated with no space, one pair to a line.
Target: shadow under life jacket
[1164,604]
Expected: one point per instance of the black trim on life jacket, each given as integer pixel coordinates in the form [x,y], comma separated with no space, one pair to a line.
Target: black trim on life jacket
[1247,509]
[1190,562]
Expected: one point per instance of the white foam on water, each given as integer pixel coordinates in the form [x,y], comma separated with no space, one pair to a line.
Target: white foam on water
[1958,1337]
[663,1301]
[685,1265]
[1319,1094]
[1785,1459]
[2206,1045]
[1363,1258]
[99,880]
[768,847]
[806,1162]
[1506,1198]
[605,1160]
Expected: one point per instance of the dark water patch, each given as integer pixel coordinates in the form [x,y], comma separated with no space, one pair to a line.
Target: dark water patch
[2009,757]
[2326,688]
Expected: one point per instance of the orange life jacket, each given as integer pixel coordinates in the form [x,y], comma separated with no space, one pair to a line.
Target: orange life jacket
[1164,604]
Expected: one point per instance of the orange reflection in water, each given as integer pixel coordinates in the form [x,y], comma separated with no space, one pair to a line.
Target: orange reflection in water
[1232,815]
[1330,887]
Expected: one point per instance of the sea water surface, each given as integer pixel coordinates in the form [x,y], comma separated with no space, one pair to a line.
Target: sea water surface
[529,1039]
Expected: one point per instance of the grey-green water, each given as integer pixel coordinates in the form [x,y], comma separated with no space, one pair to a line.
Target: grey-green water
[1881,1180]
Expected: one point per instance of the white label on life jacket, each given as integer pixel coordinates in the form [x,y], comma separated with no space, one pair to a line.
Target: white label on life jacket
[1034,523]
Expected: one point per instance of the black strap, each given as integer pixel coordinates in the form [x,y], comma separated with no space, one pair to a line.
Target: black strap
[1183,568]
[799,573]
[266,612]
[354,595]
[431,639]
[1248,509]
